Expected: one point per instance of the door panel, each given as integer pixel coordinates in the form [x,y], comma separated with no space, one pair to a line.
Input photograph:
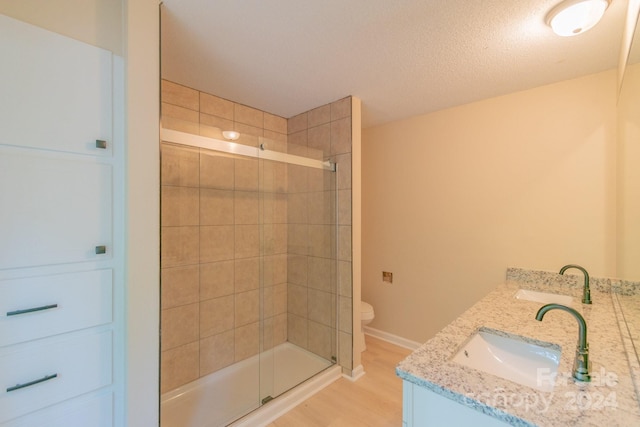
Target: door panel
[54,210]
[60,96]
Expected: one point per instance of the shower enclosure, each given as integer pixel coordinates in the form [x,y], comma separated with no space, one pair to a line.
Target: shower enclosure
[249,290]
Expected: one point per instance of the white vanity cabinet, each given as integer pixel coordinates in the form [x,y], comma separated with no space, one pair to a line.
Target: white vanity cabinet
[61,230]
[422,407]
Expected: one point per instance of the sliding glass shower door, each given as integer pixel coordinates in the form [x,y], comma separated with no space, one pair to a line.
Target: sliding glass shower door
[251,297]
[298,274]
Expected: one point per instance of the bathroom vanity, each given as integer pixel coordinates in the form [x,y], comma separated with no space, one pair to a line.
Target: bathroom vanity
[438,390]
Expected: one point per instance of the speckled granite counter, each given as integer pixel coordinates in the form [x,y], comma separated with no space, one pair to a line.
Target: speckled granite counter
[609,399]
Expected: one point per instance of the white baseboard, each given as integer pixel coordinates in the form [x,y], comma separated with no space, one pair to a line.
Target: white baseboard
[284,403]
[356,374]
[393,339]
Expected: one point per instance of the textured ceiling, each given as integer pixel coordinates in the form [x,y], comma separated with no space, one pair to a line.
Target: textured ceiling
[401,57]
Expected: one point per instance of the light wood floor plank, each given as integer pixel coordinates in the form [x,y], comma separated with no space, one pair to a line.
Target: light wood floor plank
[375,400]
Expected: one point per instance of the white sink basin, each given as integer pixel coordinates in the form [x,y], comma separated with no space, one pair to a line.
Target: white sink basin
[543,297]
[522,360]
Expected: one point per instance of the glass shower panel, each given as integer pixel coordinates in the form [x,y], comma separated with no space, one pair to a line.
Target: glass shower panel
[298,274]
[250,300]
[211,292]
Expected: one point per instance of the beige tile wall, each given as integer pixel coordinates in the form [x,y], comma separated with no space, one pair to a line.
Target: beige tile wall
[212,234]
[320,235]
[213,301]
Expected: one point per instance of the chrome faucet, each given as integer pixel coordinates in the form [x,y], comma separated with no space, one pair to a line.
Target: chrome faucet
[586,292]
[581,362]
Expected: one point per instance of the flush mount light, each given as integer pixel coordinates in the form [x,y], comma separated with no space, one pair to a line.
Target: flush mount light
[573,17]
[231,135]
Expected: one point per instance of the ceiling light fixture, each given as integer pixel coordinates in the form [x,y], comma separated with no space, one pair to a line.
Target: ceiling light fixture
[231,135]
[573,17]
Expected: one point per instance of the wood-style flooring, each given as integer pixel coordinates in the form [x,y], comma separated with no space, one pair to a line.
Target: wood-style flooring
[375,400]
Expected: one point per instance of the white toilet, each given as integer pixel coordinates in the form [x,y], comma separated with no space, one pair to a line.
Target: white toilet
[366,316]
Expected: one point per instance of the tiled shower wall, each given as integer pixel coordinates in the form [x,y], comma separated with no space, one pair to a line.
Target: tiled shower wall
[212,235]
[211,239]
[311,292]
[326,130]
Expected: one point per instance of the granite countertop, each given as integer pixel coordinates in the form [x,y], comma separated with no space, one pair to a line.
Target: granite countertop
[609,399]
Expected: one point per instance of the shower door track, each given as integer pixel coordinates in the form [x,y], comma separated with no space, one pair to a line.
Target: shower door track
[183,138]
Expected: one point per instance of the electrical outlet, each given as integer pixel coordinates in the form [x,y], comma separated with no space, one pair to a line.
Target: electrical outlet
[387,277]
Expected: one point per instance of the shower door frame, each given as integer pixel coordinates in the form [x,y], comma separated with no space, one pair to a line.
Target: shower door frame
[192,140]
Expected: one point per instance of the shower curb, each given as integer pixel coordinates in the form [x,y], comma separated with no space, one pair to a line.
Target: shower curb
[287,401]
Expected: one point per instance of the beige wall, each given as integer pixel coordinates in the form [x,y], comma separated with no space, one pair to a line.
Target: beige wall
[97,22]
[629,175]
[453,198]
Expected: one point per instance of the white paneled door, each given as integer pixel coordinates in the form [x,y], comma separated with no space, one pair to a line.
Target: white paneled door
[61,260]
